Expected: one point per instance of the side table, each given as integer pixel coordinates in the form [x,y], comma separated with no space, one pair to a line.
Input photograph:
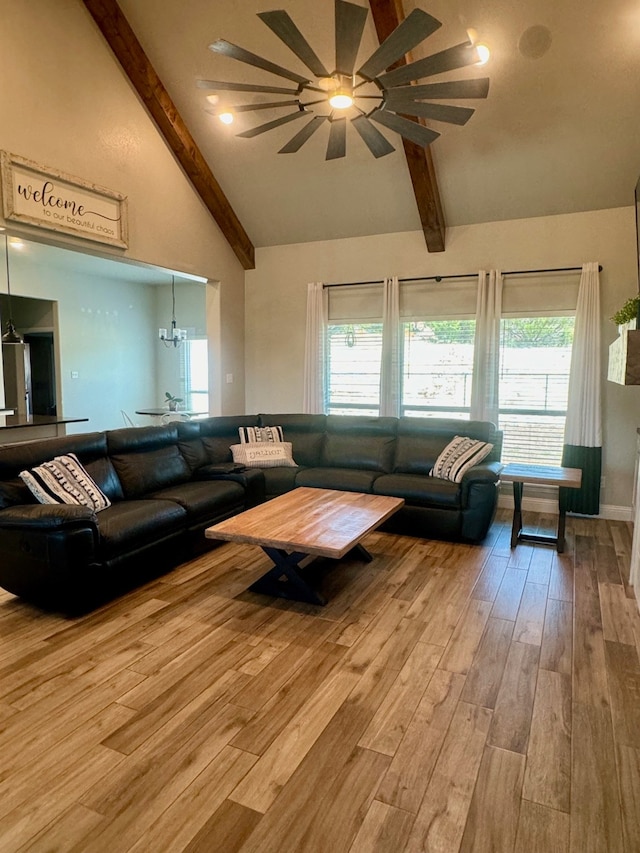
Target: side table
[547,475]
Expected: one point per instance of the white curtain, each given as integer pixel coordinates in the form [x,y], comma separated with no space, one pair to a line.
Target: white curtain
[390,368]
[485,399]
[314,395]
[583,426]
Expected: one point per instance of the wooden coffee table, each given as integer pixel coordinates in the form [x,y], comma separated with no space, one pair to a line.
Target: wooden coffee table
[305,523]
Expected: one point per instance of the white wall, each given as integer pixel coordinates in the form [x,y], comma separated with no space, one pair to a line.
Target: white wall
[276,301]
[66,104]
[107,335]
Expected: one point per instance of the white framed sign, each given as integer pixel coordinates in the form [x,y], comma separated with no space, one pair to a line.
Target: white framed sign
[50,199]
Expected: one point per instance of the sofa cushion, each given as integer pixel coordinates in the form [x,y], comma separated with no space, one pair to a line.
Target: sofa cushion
[359,442]
[417,454]
[63,480]
[279,480]
[347,479]
[458,456]
[90,448]
[147,458]
[264,454]
[305,432]
[205,499]
[421,440]
[203,441]
[420,490]
[130,525]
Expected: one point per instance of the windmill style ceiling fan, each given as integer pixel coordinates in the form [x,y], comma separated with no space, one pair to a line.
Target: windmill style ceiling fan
[372,93]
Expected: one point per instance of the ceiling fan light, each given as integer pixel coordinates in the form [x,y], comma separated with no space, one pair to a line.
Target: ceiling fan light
[341,100]
[226,117]
[484,53]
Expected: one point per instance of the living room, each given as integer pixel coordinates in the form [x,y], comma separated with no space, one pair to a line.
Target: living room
[70,107]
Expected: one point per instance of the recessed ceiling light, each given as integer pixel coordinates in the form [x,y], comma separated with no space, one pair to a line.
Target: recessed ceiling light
[535,41]
[226,118]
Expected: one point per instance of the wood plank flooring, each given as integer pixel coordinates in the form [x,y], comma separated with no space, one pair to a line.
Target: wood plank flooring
[448,698]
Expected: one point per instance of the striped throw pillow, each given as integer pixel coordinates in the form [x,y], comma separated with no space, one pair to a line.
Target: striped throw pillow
[64,480]
[458,456]
[251,435]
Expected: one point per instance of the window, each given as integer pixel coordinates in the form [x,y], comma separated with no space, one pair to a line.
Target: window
[354,351]
[535,359]
[437,368]
[196,375]
[438,336]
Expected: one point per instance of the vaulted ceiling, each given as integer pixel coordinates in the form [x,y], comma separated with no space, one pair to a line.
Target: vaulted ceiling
[558,132]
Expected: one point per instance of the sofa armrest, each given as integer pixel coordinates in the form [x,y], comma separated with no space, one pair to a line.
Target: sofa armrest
[47,551]
[252,479]
[484,472]
[45,516]
[482,477]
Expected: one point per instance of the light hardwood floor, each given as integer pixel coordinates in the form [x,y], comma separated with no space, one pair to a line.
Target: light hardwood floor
[448,698]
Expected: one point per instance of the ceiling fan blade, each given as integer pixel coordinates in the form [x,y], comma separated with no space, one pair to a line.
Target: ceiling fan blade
[378,144]
[239,53]
[414,29]
[447,60]
[337,145]
[350,20]
[297,141]
[246,108]
[405,127]
[261,128]
[283,26]
[243,87]
[475,88]
[437,112]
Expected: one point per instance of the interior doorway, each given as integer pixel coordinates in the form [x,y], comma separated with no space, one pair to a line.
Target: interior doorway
[43,373]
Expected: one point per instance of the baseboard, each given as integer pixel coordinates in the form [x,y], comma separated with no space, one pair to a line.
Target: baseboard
[550,505]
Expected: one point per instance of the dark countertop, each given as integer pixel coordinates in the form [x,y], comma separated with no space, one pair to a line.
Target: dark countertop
[18,422]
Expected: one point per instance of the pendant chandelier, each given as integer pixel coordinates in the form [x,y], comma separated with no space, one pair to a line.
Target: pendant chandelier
[175,336]
[10,335]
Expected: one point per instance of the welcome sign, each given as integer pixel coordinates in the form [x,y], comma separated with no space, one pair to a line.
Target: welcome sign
[50,199]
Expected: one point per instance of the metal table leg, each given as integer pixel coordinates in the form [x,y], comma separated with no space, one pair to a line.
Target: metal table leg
[284,580]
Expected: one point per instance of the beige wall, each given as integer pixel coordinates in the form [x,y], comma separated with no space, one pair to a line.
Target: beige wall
[65,103]
[276,301]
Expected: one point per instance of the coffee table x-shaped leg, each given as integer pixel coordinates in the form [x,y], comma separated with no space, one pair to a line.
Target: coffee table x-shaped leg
[284,580]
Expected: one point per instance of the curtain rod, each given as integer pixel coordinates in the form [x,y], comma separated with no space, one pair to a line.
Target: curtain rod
[463,275]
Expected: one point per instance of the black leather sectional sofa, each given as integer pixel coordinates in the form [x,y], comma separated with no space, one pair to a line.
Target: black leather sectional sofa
[167,484]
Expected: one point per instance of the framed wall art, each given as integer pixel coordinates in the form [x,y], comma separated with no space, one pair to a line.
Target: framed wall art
[47,198]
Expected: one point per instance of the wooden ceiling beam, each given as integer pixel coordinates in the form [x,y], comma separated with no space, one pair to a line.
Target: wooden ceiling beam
[387,15]
[122,40]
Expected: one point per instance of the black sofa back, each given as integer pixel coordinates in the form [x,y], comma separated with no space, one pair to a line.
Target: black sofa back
[359,442]
[421,440]
[90,448]
[207,441]
[147,458]
[402,445]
